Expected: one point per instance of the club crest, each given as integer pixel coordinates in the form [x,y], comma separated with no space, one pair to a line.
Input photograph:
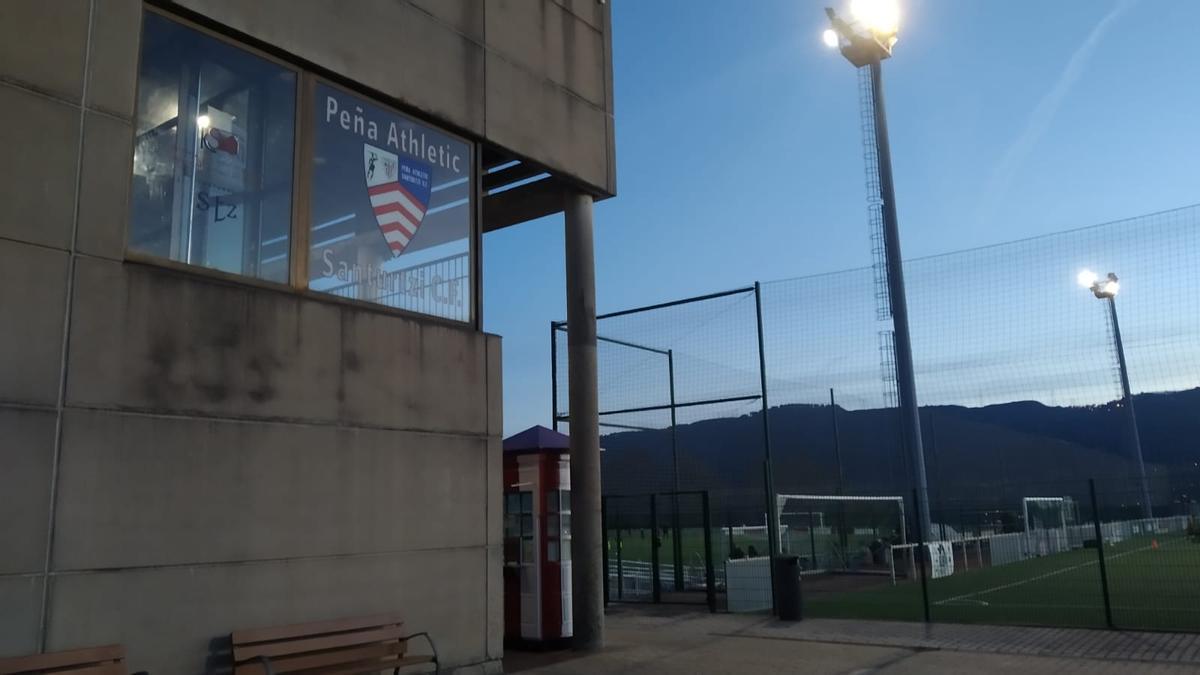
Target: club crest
[399,189]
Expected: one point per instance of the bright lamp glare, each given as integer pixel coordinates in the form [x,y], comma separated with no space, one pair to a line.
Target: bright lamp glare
[203,121]
[830,37]
[1112,287]
[1086,278]
[881,16]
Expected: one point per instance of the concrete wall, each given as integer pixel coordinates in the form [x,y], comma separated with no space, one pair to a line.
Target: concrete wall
[183,456]
[533,76]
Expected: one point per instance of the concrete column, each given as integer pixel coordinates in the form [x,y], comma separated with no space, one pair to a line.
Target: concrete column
[587,580]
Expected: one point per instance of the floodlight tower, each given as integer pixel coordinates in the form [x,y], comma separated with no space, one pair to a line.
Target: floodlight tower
[866,41]
[1107,289]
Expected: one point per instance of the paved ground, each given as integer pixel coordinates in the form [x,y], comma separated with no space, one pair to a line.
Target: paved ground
[658,640]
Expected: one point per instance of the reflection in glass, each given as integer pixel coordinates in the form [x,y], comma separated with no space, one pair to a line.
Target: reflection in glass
[391,208]
[212,167]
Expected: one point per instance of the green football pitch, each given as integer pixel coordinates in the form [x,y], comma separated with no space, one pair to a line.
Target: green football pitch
[635,544]
[1153,583]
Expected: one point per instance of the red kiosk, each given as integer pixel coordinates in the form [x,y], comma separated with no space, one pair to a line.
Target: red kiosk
[537,538]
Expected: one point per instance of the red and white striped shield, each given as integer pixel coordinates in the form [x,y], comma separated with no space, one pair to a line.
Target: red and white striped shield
[399,189]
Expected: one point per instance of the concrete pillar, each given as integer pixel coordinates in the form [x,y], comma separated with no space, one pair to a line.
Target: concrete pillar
[587,580]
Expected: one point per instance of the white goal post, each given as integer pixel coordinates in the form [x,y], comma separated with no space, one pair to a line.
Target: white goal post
[1046,535]
[830,502]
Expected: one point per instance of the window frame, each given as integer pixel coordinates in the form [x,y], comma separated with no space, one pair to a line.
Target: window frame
[303,143]
[309,86]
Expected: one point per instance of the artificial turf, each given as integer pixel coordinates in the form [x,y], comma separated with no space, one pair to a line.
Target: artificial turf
[1150,587]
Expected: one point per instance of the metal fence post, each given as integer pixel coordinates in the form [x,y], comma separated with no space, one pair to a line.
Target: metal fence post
[620,563]
[605,541]
[655,590]
[554,375]
[1108,618]
[677,533]
[812,540]
[770,546]
[772,516]
[920,553]
[729,530]
[710,577]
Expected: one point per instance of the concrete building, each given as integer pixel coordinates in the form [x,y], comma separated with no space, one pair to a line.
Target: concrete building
[243,380]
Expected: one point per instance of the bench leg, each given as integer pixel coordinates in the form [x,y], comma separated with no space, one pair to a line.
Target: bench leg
[266,664]
[437,666]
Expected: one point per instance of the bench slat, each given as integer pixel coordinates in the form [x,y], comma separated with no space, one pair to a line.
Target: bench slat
[85,669]
[74,657]
[301,645]
[371,666]
[323,659]
[296,630]
[101,669]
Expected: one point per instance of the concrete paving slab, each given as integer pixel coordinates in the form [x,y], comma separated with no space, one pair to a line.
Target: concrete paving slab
[954,663]
[672,640]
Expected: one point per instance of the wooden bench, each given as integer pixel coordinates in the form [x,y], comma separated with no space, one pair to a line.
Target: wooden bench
[341,647]
[107,660]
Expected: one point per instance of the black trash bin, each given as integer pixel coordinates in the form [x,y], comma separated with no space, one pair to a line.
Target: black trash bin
[787,587]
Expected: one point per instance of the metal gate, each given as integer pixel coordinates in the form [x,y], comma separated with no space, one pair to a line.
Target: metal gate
[658,548]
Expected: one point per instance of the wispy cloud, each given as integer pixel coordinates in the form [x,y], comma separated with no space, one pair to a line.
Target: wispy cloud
[1043,114]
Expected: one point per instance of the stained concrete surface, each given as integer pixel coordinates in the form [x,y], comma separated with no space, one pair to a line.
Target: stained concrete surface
[658,640]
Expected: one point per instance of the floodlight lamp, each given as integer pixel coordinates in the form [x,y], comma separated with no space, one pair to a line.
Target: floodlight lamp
[1104,289]
[867,38]
[831,39]
[880,16]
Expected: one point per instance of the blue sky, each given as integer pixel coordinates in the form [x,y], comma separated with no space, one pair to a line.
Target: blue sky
[740,155]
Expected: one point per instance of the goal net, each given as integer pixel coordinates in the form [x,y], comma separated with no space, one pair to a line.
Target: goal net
[840,533]
[1048,524]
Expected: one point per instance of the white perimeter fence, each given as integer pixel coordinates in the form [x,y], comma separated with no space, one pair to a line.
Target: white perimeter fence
[1014,547]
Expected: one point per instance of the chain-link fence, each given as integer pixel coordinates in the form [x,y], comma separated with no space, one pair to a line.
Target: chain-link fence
[1021,404]
[1061,553]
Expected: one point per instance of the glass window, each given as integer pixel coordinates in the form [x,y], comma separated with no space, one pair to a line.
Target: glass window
[552,526]
[564,501]
[391,208]
[526,502]
[213,156]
